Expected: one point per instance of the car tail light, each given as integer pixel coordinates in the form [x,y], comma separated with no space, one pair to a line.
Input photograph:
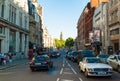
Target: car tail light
[30,62]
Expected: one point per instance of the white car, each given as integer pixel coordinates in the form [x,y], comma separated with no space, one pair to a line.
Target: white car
[92,67]
[114,61]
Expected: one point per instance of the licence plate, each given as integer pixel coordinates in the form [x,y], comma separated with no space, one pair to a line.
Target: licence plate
[101,73]
[37,63]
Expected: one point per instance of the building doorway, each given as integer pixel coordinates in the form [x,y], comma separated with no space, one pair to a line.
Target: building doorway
[116,46]
[0,45]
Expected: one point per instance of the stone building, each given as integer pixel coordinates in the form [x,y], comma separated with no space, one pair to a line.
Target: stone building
[14,26]
[114,24]
[100,22]
[36,31]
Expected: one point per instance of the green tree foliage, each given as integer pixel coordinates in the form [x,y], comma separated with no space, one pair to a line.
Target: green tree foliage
[69,42]
[59,43]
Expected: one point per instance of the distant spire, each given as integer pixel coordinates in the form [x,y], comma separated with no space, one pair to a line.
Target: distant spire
[34,1]
[61,36]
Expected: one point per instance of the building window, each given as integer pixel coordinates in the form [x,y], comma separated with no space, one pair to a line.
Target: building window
[20,18]
[12,41]
[114,32]
[2,11]
[12,14]
[25,22]
[0,30]
[114,15]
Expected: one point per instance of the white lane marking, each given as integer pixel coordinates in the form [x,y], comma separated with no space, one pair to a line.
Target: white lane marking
[67,73]
[61,71]
[63,65]
[66,80]
[73,70]
[58,79]
[80,79]
[7,73]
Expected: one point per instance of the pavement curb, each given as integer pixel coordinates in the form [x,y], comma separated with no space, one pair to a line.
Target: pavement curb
[12,65]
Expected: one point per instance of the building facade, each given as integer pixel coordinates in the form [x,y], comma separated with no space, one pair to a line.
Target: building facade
[84,26]
[100,22]
[14,26]
[36,31]
[114,24]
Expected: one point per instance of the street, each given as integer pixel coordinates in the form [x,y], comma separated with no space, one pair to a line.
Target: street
[63,70]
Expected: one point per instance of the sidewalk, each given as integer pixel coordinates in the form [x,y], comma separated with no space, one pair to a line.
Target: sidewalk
[14,63]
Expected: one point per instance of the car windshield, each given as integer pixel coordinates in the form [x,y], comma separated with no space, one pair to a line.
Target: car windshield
[92,60]
[70,53]
[103,56]
[87,53]
[75,53]
[119,57]
[40,59]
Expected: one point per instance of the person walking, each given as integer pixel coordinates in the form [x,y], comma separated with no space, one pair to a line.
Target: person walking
[10,57]
[30,54]
[4,59]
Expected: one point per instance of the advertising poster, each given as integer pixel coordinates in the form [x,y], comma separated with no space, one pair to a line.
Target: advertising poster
[97,35]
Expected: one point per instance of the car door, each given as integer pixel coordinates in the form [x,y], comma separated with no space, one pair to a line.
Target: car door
[115,62]
[82,65]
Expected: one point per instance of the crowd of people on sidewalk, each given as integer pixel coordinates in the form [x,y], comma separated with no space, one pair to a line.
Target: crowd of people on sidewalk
[5,57]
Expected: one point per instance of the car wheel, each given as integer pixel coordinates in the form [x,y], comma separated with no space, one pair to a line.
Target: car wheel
[118,69]
[80,69]
[86,73]
[48,68]
[51,66]
[32,69]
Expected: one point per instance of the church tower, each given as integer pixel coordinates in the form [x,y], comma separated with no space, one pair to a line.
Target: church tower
[61,36]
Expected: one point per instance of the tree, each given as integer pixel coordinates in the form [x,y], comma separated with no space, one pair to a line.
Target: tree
[69,42]
[59,43]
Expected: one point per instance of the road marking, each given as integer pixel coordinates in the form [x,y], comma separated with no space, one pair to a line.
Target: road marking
[66,80]
[80,79]
[58,79]
[69,65]
[63,65]
[61,71]
[7,73]
[72,68]
[67,68]
[67,73]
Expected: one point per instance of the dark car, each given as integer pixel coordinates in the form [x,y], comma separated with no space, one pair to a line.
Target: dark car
[69,55]
[41,62]
[54,54]
[74,56]
[84,53]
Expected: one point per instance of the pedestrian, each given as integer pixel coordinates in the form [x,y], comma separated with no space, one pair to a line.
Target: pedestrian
[30,54]
[4,59]
[10,57]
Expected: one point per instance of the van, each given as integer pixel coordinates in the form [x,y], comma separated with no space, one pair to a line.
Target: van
[84,53]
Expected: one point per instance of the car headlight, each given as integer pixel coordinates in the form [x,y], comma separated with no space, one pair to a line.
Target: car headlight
[90,69]
[110,69]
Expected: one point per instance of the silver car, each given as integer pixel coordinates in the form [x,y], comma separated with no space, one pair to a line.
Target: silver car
[92,67]
[114,61]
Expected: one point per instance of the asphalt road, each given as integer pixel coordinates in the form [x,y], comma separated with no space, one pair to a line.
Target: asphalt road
[63,70]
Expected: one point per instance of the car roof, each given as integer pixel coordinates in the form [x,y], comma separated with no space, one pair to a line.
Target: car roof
[115,55]
[90,58]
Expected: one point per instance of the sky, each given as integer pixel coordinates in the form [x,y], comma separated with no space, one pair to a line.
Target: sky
[62,16]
